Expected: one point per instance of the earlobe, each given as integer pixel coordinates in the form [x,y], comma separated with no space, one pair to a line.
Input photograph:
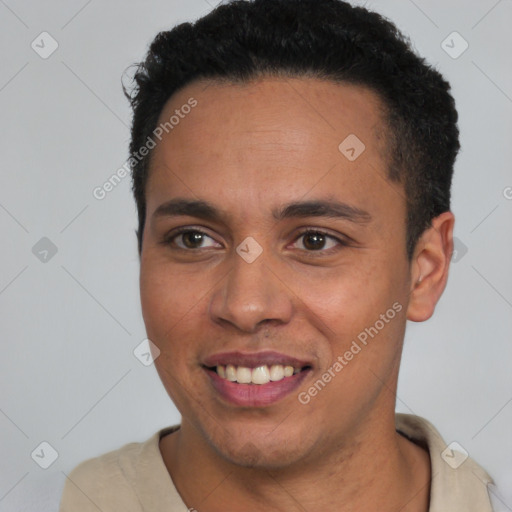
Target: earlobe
[429,267]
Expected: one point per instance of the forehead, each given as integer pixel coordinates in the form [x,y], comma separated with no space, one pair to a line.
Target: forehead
[291,111]
[271,138]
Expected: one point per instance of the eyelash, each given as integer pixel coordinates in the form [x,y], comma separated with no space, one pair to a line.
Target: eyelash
[168,239]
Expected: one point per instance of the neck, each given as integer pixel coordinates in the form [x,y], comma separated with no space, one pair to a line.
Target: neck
[374,469]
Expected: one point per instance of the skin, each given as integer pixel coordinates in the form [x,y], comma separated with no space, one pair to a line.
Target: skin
[248,149]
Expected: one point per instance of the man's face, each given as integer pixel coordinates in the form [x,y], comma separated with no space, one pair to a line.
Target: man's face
[251,152]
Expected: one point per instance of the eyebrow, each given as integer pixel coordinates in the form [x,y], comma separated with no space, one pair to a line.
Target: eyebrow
[323,208]
[300,209]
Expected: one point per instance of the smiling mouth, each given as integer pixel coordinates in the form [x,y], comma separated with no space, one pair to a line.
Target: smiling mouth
[258,375]
[255,379]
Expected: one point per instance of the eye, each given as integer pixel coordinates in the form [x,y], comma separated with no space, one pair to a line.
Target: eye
[314,240]
[189,239]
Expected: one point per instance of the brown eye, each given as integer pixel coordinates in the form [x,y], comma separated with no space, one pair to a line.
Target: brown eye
[317,241]
[314,241]
[191,239]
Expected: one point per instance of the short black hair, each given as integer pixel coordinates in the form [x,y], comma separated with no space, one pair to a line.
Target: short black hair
[242,40]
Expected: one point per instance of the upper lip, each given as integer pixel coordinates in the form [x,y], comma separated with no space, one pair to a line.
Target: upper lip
[253,360]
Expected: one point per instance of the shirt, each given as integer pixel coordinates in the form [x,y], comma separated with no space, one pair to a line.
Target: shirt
[134,478]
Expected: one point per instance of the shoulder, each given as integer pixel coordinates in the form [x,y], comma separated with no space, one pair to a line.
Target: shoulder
[109,481]
[458,482]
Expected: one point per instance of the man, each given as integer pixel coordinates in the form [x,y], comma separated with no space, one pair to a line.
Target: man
[292,163]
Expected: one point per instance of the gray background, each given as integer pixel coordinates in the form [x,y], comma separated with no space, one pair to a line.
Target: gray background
[69,324]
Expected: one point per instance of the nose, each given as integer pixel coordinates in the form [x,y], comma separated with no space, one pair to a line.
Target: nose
[251,295]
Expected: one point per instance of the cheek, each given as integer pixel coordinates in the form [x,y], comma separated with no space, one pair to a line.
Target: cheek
[341,297]
[361,347]
[172,310]
[168,301]
[349,301]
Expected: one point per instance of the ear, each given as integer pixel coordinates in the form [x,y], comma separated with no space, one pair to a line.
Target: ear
[429,267]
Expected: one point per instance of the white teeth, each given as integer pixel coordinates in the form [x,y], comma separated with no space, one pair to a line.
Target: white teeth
[276,372]
[243,375]
[259,375]
[230,373]
[288,371]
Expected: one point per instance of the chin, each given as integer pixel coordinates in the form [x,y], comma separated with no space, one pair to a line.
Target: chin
[254,457]
[274,451]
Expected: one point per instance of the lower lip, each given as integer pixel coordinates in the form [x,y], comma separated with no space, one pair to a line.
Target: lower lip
[256,395]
